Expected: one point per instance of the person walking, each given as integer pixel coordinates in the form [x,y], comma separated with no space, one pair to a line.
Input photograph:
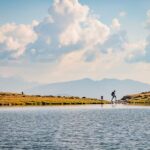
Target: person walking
[113,94]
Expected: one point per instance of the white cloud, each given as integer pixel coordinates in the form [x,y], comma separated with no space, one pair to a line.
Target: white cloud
[72,8]
[122,14]
[145,55]
[82,26]
[134,50]
[139,51]
[115,24]
[14,38]
[71,27]
[71,35]
[95,32]
[73,43]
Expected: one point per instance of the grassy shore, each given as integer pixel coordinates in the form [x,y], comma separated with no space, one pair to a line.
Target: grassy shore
[14,99]
[141,98]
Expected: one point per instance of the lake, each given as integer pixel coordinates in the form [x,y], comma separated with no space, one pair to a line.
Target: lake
[86,127]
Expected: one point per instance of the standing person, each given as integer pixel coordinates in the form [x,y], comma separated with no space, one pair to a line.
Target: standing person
[113,94]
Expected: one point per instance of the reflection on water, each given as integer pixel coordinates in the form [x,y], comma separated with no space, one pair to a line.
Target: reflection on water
[75,128]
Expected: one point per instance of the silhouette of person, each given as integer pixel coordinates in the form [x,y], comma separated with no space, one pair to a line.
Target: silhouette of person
[113,94]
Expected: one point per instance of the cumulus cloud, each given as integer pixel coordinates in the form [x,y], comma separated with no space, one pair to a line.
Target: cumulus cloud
[15,38]
[145,56]
[73,42]
[141,50]
[115,42]
[115,24]
[135,50]
[69,27]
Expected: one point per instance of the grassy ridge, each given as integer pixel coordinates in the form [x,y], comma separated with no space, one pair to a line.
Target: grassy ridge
[141,98]
[14,99]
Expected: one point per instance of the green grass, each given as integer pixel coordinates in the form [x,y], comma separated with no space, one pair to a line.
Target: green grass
[14,99]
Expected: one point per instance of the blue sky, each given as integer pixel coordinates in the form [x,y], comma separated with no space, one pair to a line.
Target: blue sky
[24,11]
[111,34]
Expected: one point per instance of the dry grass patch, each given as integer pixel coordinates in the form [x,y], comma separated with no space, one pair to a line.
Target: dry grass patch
[13,99]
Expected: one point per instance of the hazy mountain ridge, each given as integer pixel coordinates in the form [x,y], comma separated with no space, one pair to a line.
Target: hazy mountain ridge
[83,87]
[91,88]
[14,84]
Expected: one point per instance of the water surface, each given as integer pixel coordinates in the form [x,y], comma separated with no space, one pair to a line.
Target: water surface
[75,128]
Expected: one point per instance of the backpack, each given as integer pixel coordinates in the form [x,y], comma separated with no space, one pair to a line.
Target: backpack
[112,94]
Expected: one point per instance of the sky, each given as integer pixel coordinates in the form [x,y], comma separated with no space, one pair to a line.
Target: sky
[49,41]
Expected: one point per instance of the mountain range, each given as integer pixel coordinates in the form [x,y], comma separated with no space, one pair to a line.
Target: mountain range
[91,88]
[15,84]
[82,88]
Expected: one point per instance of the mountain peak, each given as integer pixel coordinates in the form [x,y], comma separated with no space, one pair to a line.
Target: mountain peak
[92,88]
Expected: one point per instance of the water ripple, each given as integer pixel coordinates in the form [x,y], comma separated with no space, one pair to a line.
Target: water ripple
[88,128]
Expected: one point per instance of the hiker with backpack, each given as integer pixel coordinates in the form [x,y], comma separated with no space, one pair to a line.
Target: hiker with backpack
[113,94]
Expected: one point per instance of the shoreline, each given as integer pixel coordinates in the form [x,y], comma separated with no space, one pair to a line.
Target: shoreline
[51,105]
[22,100]
[76,105]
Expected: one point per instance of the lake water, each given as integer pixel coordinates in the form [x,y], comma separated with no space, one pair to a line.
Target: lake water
[75,128]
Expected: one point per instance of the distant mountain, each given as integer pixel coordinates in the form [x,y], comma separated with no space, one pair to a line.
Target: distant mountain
[90,88]
[15,84]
